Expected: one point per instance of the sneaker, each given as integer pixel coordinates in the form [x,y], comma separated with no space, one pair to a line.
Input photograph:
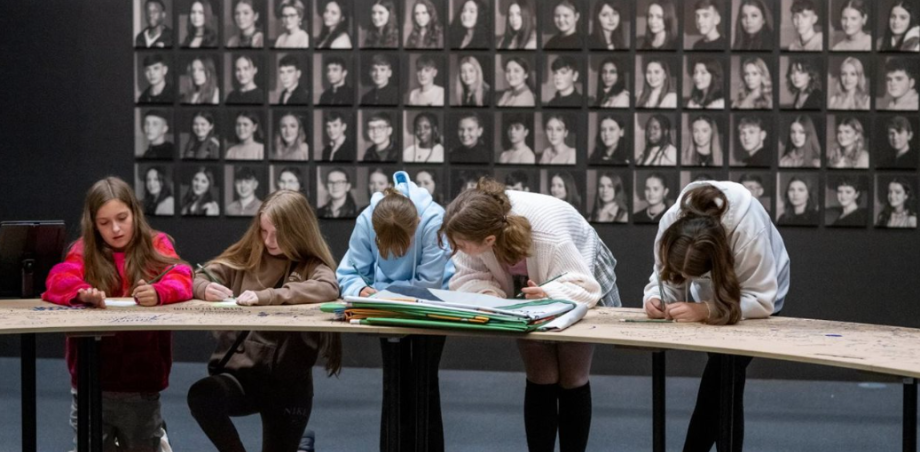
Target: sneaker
[307,442]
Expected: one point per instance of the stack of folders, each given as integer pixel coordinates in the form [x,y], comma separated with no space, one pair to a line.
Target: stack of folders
[433,308]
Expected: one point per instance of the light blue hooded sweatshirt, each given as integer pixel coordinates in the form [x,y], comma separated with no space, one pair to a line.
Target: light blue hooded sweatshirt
[426,264]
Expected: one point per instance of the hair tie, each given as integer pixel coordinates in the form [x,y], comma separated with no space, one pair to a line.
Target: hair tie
[504,219]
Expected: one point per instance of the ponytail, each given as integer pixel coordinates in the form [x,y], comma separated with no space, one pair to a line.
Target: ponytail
[485,211]
[394,221]
[697,244]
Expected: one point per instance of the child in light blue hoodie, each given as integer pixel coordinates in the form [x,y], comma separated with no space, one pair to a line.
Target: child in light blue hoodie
[395,243]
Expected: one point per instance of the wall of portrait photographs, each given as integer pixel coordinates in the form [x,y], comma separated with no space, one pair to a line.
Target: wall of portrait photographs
[611,105]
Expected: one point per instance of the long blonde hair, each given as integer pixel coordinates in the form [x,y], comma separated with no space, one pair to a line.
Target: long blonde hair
[142,261]
[300,240]
[484,211]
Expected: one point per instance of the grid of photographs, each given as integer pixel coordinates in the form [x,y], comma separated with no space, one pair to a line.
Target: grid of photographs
[611,105]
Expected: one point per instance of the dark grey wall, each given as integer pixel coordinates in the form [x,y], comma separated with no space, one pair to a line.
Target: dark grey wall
[66,121]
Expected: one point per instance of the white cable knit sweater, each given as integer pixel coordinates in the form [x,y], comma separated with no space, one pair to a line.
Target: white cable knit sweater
[562,242]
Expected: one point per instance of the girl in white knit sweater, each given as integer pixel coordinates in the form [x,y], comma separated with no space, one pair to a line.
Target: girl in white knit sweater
[510,242]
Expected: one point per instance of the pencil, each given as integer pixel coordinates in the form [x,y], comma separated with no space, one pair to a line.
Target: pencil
[646,320]
[158,277]
[361,275]
[521,294]
[208,274]
[660,289]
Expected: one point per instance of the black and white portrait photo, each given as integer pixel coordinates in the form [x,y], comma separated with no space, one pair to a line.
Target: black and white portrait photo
[563,85]
[515,27]
[848,83]
[704,82]
[154,133]
[469,136]
[289,177]
[199,79]
[609,192]
[379,134]
[333,24]
[337,192]
[334,132]
[657,25]
[759,183]
[290,84]
[248,138]
[897,203]
[430,179]
[900,27]
[898,86]
[154,79]
[655,139]
[753,25]
[152,24]
[518,179]
[610,23]
[197,24]
[752,82]
[245,23]
[705,25]
[154,188]
[566,185]
[377,179]
[423,137]
[802,82]
[897,141]
[752,137]
[379,75]
[464,179]
[611,136]
[848,141]
[248,80]
[290,135]
[514,142]
[245,189]
[800,141]
[699,175]
[379,24]
[333,79]
[469,77]
[703,139]
[608,84]
[797,199]
[200,134]
[656,81]
[847,200]
[424,24]
[515,79]
[288,24]
[563,24]
[425,83]
[655,192]
[802,25]
[559,139]
[200,190]
[469,24]
[851,25]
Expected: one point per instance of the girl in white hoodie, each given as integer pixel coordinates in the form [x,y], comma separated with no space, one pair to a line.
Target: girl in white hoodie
[717,248]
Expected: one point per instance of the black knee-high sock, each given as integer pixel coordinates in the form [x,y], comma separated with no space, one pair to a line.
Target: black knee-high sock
[540,411]
[574,413]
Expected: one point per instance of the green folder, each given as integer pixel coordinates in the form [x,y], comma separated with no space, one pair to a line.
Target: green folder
[414,323]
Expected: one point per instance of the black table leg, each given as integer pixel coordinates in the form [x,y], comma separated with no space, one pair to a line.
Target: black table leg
[96,395]
[726,404]
[27,377]
[910,415]
[659,400]
[420,357]
[83,394]
[396,358]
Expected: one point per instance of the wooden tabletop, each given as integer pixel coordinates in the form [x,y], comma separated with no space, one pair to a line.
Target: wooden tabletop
[874,348]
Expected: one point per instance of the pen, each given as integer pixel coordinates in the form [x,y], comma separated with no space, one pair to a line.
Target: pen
[521,294]
[646,320]
[158,277]
[660,289]
[361,275]
[208,274]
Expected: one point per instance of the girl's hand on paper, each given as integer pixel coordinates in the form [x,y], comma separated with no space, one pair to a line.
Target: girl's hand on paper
[533,292]
[144,294]
[217,292]
[92,297]
[367,292]
[248,298]
[687,312]
[653,309]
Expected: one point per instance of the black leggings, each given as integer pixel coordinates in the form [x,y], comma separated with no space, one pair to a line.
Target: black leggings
[284,410]
[703,431]
[424,353]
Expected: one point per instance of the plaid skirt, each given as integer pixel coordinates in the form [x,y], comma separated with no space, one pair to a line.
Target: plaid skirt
[605,273]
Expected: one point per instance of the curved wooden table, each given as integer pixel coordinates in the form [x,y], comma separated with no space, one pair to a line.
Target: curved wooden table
[873,348]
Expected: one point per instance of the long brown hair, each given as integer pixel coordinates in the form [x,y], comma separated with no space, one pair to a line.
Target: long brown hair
[696,244]
[485,211]
[394,221]
[142,261]
[300,240]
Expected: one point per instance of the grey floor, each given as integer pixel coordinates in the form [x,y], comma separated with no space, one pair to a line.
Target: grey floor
[482,412]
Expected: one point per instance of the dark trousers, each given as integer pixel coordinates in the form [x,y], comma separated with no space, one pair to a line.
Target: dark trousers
[703,431]
[424,353]
[284,410]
